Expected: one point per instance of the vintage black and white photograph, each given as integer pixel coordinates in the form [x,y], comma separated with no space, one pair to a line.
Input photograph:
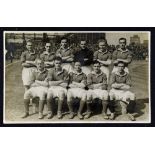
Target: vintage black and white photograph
[76,77]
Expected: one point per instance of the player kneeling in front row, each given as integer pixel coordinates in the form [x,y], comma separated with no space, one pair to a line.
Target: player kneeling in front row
[97,84]
[58,81]
[77,84]
[38,88]
[120,94]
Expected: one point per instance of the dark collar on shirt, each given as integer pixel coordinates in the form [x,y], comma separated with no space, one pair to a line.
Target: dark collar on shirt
[117,73]
[103,52]
[47,53]
[41,71]
[66,49]
[97,74]
[59,72]
[32,52]
[119,49]
[78,73]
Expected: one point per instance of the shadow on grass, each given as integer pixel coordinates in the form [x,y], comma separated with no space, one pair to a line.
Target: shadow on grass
[96,107]
[140,106]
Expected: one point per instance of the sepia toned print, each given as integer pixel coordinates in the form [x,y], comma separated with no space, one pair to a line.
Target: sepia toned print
[77,77]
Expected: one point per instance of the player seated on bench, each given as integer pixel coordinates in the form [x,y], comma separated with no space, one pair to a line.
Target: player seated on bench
[97,84]
[77,84]
[120,93]
[38,88]
[58,82]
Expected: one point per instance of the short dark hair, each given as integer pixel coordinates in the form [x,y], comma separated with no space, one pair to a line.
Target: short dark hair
[77,61]
[102,40]
[83,40]
[29,41]
[64,38]
[96,62]
[121,62]
[122,39]
[47,43]
[58,58]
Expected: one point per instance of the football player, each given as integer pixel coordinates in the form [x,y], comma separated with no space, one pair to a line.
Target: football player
[97,84]
[58,82]
[120,93]
[122,54]
[77,84]
[39,88]
[104,57]
[28,63]
[66,53]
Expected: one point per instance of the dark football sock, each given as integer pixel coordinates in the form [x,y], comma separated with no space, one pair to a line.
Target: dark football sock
[104,106]
[88,106]
[131,106]
[82,103]
[50,105]
[26,105]
[41,106]
[60,103]
[70,106]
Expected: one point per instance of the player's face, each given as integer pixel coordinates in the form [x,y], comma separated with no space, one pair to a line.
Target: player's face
[121,67]
[29,46]
[77,66]
[83,44]
[57,64]
[122,43]
[40,65]
[48,47]
[64,43]
[96,67]
[102,46]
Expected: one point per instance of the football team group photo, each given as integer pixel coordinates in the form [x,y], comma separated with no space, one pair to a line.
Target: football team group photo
[94,77]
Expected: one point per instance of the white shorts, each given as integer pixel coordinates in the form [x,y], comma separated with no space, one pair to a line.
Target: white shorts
[97,93]
[56,91]
[121,95]
[77,92]
[115,69]
[86,69]
[33,92]
[27,75]
[68,67]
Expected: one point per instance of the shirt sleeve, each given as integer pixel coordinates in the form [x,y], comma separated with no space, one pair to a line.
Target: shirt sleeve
[96,55]
[129,57]
[128,80]
[66,76]
[58,53]
[23,57]
[104,79]
[112,79]
[71,53]
[109,56]
[89,79]
[50,75]
[70,78]
[114,55]
[41,56]
[84,80]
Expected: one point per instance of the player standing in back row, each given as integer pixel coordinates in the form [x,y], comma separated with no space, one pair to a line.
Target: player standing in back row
[66,53]
[103,56]
[85,56]
[122,54]
[28,63]
[48,56]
